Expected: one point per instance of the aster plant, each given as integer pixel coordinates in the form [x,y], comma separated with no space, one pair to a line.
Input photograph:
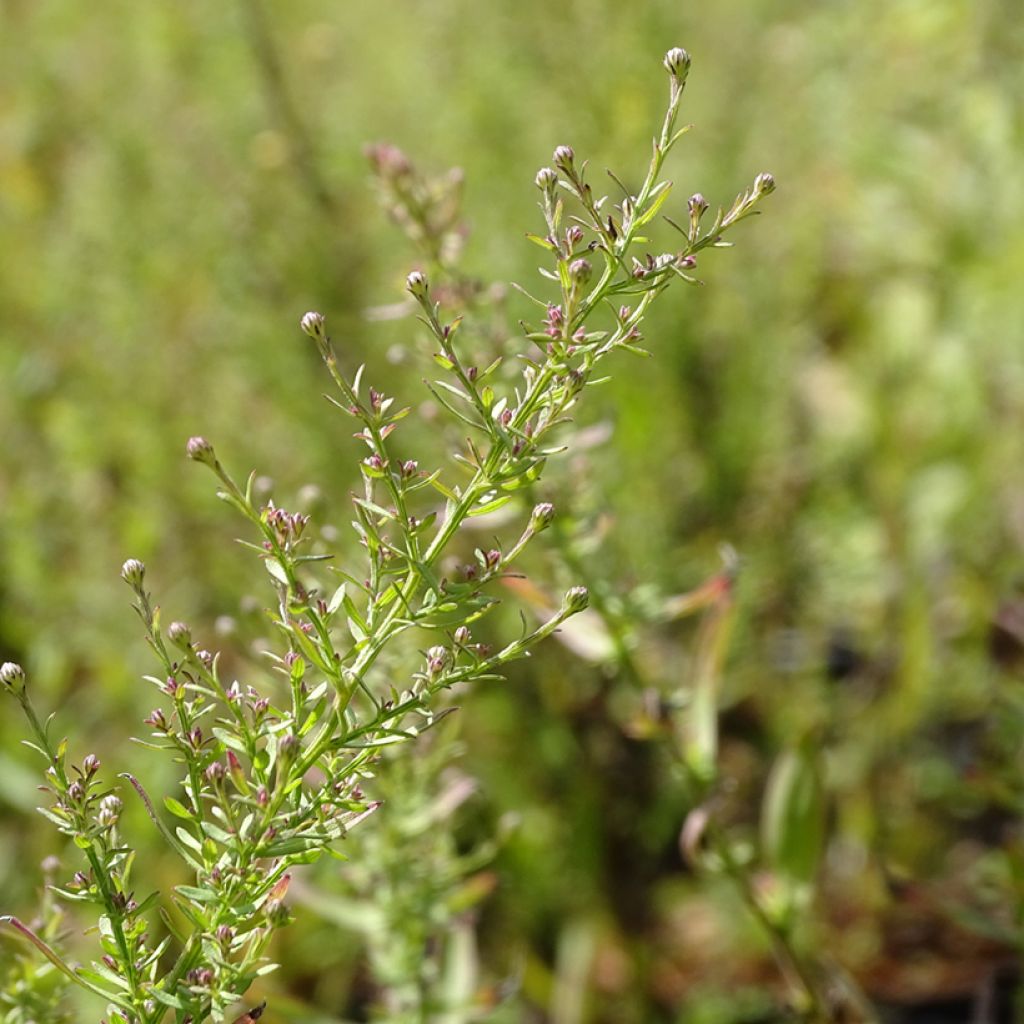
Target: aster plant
[275,770]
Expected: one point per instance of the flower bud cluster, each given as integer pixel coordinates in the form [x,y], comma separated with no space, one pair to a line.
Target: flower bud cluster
[109,811]
[287,526]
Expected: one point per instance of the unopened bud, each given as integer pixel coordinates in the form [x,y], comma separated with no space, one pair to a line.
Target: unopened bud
[575,600]
[677,63]
[200,450]
[237,772]
[764,184]
[697,204]
[312,323]
[287,747]
[417,284]
[133,572]
[156,720]
[90,765]
[580,270]
[110,811]
[277,913]
[540,518]
[547,179]
[12,675]
[462,636]
[179,634]
[438,659]
[563,158]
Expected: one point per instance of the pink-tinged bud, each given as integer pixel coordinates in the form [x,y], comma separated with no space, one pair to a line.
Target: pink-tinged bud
[541,517]
[417,285]
[200,450]
[156,720]
[575,600]
[277,913]
[438,659]
[462,636]
[574,236]
[563,158]
[180,635]
[237,773]
[547,179]
[12,675]
[215,773]
[90,765]
[133,572]
[312,323]
[677,63]
[580,270]
[287,747]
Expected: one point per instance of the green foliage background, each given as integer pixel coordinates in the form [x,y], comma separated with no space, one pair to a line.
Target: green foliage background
[843,402]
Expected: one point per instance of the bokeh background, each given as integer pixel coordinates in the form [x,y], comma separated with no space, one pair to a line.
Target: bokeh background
[843,401]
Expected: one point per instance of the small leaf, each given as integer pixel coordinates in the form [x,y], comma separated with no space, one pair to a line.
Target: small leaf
[490,506]
[176,808]
[276,570]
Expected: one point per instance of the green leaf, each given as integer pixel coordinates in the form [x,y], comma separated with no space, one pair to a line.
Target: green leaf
[189,840]
[167,999]
[490,506]
[436,483]
[177,808]
[793,815]
[197,895]
[658,196]
[336,598]
[542,242]
[276,570]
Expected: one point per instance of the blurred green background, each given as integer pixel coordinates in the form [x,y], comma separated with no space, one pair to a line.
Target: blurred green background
[843,402]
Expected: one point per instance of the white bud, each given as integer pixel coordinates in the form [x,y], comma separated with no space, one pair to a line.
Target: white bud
[547,178]
[12,675]
[133,572]
[575,600]
[677,63]
[417,284]
[313,324]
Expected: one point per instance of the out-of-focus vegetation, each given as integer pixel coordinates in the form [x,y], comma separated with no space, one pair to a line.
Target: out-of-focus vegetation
[842,402]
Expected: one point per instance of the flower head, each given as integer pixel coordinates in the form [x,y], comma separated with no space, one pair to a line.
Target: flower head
[313,324]
[200,450]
